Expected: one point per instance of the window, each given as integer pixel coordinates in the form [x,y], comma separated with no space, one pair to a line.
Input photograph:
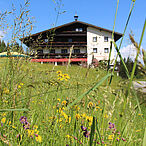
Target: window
[94,39]
[52,51]
[63,50]
[94,50]
[46,40]
[69,40]
[106,39]
[106,50]
[39,51]
[76,50]
[80,29]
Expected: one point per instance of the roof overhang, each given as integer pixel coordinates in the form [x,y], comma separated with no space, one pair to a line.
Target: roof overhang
[117,35]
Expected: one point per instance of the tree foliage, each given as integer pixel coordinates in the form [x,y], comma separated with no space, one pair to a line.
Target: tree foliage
[11,47]
[129,63]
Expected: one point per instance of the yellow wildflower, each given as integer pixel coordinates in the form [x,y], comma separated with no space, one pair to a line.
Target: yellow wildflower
[89,119]
[67,136]
[3,120]
[78,116]
[140,114]
[66,77]
[3,114]
[138,130]
[69,119]
[58,99]
[106,116]
[77,108]
[83,115]
[110,137]
[60,78]
[14,127]
[38,138]
[5,101]
[59,72]
[35,126]
[6,91]
[9,122]
[64,102]
[30,132]
[21,84]
[90,104]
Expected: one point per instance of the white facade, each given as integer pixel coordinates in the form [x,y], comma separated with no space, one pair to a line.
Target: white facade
[96,41]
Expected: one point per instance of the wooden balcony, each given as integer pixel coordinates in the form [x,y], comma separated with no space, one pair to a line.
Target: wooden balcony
[63,44]
[60,55]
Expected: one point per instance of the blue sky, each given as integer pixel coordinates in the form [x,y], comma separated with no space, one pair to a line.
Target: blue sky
[96,12]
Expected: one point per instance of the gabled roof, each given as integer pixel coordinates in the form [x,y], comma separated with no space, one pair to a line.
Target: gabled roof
[116,34]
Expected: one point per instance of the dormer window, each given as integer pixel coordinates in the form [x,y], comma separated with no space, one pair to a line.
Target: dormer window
[46,40]
[94,39]
[79,29]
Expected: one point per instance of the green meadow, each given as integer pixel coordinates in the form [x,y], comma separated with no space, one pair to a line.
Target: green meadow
[47,105]
[42,104]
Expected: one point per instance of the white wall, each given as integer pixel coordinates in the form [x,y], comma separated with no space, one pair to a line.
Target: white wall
[100,44]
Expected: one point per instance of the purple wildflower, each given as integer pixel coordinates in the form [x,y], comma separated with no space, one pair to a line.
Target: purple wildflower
[83,128]
[26,125]
[86,134]
[111,125]
[23,119]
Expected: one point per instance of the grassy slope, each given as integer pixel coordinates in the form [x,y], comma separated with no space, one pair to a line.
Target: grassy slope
[41,90]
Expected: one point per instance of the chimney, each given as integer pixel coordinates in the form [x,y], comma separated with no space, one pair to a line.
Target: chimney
[76,17]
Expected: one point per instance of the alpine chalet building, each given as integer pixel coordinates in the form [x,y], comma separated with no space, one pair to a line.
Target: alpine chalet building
[76,41]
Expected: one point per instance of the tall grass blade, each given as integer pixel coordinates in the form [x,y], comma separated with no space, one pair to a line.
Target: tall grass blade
[8,110]
[93,88]
[112,35]
[119,54]
[133,4]
[98,132]
[144,138]
[92,131]
[136,59]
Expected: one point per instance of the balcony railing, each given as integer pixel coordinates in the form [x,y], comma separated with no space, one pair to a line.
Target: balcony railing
[63,44]
[60,55]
